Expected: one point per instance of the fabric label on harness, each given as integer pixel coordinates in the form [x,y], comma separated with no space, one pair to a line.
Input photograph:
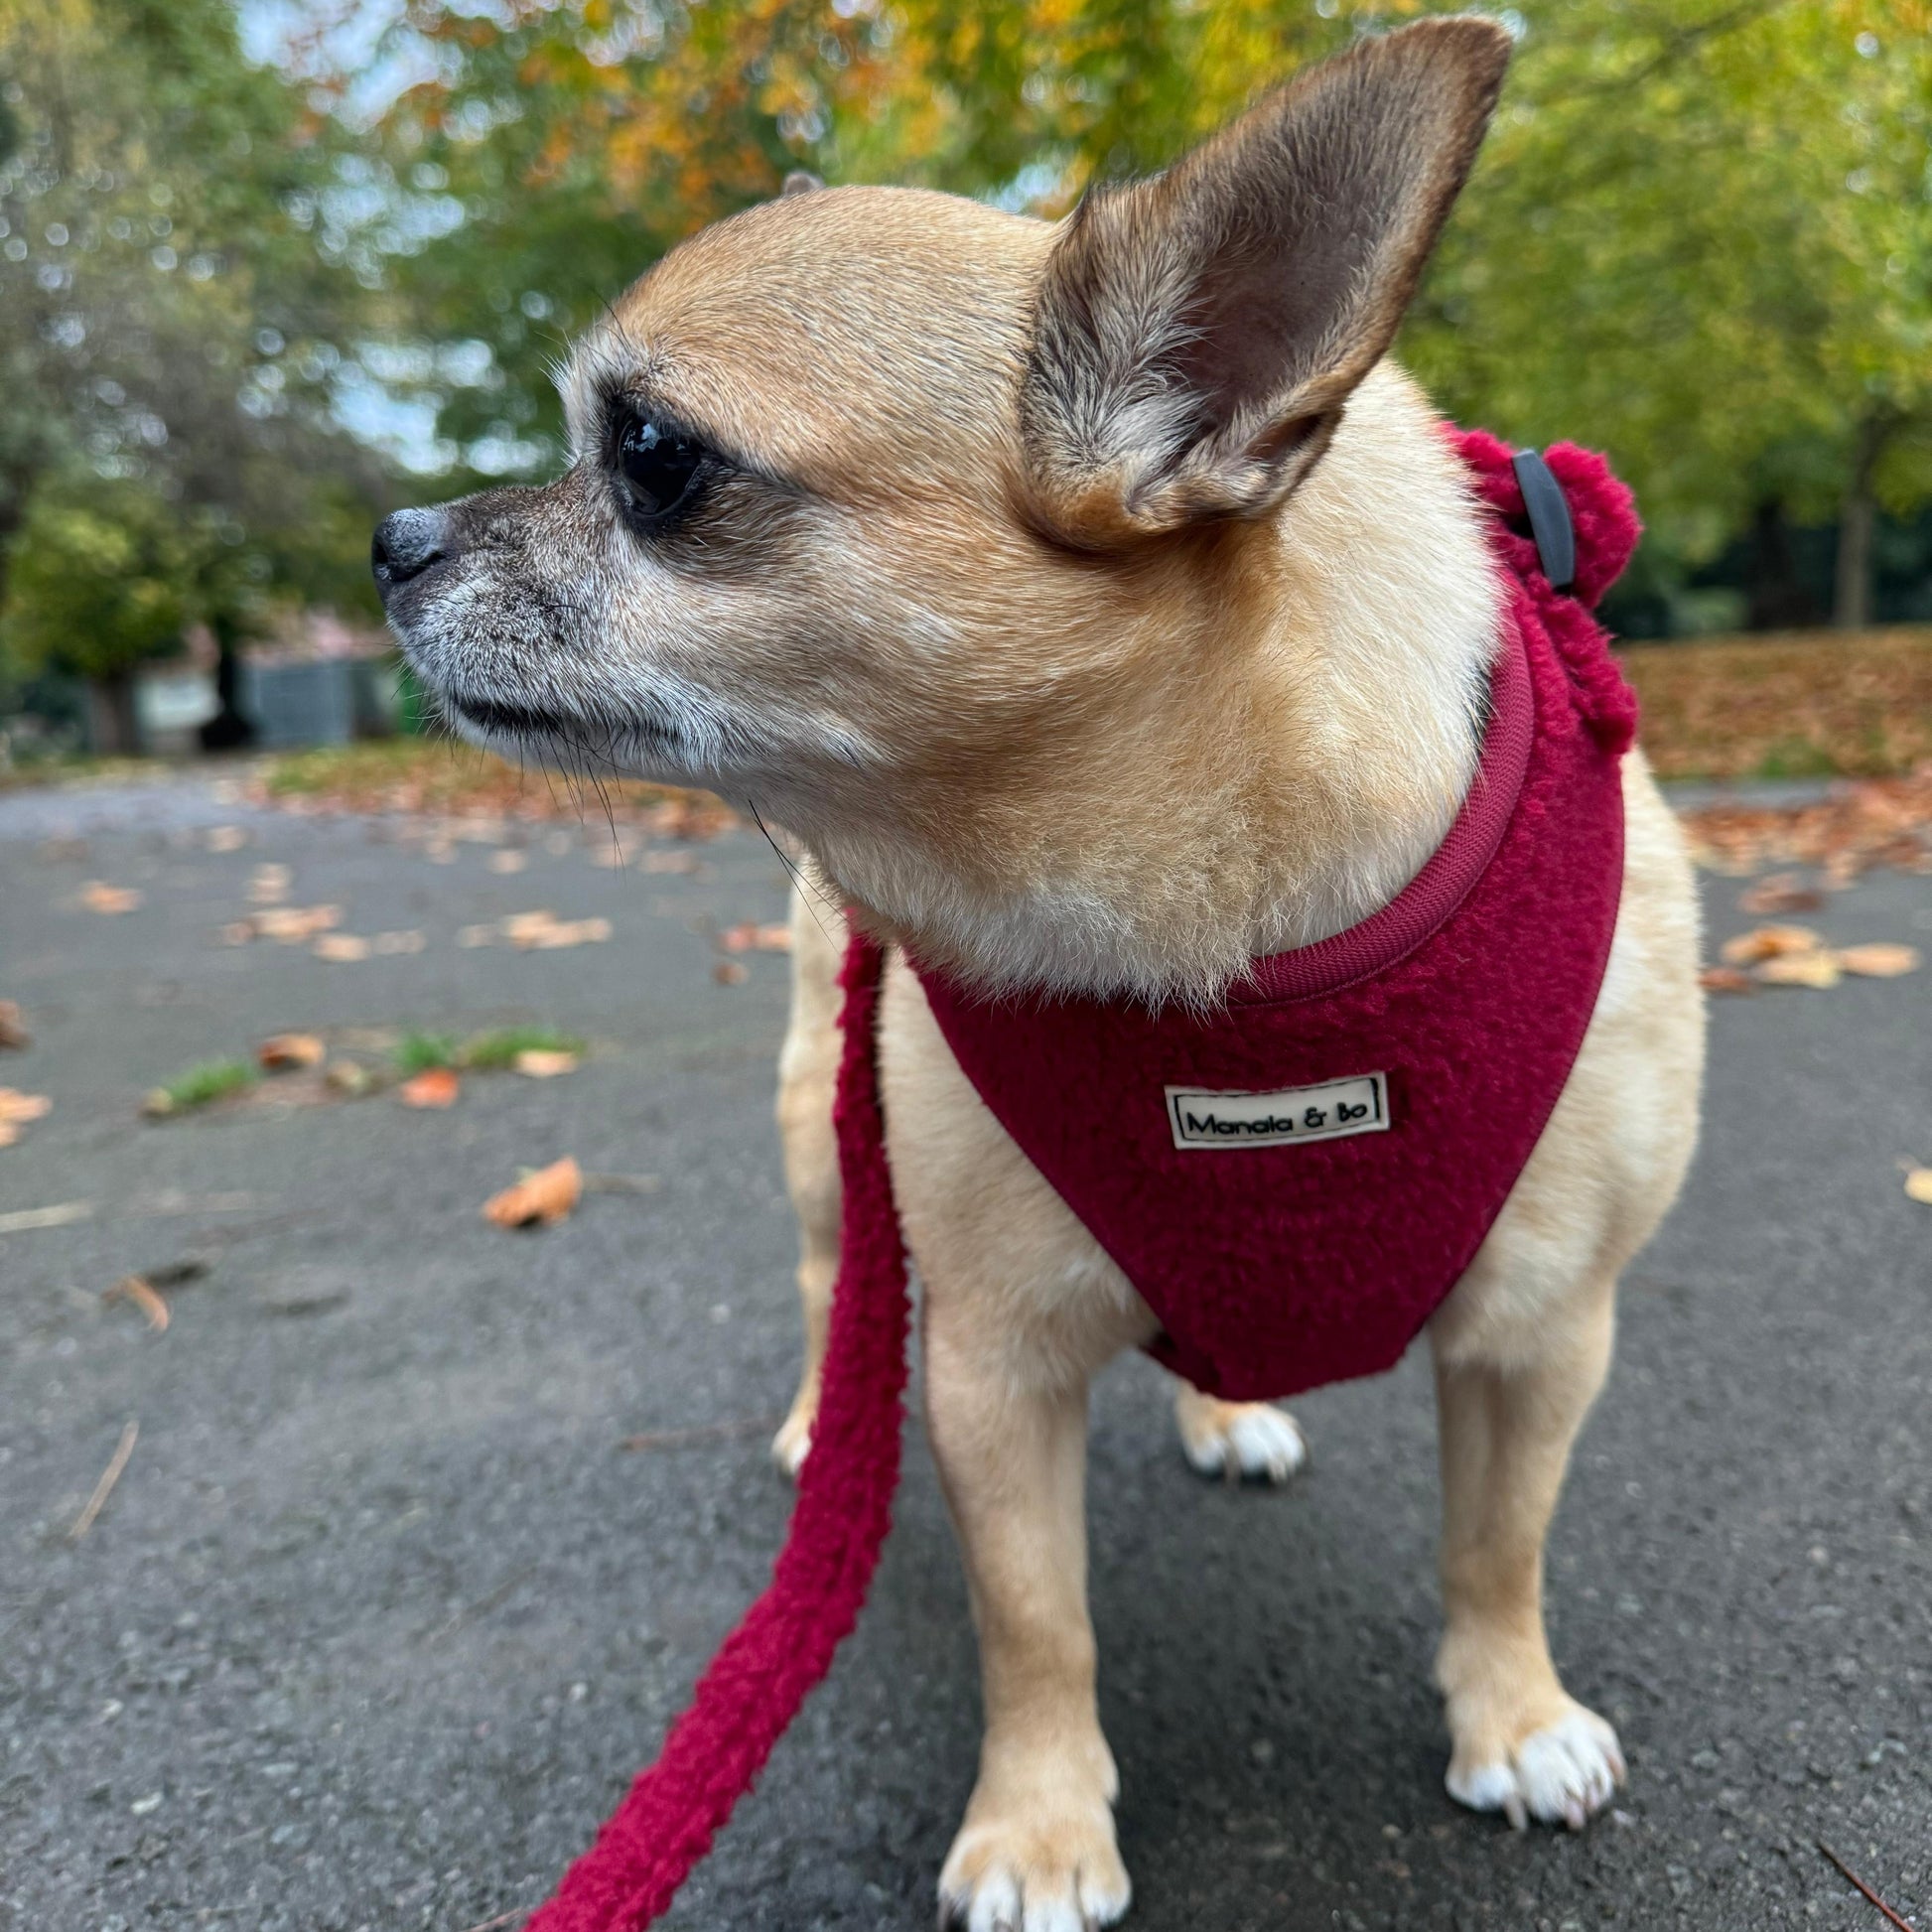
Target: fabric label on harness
[1324,1113]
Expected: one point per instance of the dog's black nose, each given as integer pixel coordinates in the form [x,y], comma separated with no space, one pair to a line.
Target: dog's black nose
[406,544]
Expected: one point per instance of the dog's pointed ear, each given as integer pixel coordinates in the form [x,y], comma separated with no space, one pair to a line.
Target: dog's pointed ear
[1197,335]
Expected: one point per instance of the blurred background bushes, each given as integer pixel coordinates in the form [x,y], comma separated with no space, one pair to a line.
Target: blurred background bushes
[267,269]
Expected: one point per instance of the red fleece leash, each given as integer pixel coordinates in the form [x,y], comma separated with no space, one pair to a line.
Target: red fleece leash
[785,1645]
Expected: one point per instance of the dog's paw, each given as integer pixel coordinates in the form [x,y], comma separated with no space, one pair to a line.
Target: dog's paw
[1043,1868]
[1239,1440]
[794,1442]
[1562,1773]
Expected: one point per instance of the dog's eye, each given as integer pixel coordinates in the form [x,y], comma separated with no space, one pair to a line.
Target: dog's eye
[660,466]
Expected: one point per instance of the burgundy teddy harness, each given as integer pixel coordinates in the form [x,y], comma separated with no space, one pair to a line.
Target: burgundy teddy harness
[1294,1182]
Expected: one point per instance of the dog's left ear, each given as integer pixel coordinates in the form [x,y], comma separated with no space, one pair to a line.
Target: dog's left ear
[1197,335]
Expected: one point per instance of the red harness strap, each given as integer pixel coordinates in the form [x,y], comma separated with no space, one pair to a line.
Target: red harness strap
[785,1645]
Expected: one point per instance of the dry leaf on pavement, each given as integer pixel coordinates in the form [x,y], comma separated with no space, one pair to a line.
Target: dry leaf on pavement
[539,1198]
[1768,943]
[98,897]
[1813,969]
[1918,1185]
[284,1051]
[1879,961]
[288,925]
[728,972]
[343,947]
[1781,892]
[17,1107]
[13,1025]
[145,1297]
[1726,979]
[542,1063]
[751,937]
[435,1086]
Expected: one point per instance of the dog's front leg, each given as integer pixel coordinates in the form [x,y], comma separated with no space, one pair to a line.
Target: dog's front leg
[1036,1851]
[1521,1745]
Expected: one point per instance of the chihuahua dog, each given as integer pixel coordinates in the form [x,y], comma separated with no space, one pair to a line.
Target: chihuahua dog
[1099,609]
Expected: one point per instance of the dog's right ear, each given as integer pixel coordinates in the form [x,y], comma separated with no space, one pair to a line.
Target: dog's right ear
[1197,335]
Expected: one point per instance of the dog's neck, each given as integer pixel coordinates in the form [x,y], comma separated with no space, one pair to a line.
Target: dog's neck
[1268,781]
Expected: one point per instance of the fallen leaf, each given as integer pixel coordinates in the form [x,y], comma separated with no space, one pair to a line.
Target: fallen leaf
[97,897]
[13,1026]
[343,947]
[728,972]
[539,1198]
[507,861]
[545,932]
[269,885]
[346,1076]
[143,1296]
[1768,943]
[1918,1185]
[16,1108]
[1726,979]
[435,1086]
[541,1063]
[227,838]
[283,1052]
[1813,969]
[1879,961]
[291,924]
[1781,892]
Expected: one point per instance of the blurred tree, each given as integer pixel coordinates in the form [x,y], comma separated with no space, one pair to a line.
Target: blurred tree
[100,584]
[175,296]
[1701,235]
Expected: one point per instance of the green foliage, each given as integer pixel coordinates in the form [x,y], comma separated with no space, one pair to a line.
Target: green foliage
[102,581]
[201,1086]
[498,1051]
[419,1052]
[174,301]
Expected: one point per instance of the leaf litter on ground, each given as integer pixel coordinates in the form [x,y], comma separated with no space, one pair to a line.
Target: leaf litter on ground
[13,1036]
[539,1198]
[18,1109]
[1797,955]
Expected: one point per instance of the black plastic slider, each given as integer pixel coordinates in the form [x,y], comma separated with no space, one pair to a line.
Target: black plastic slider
[1549,511]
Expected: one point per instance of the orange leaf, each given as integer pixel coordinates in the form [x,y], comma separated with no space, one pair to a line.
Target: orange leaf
[1918,1185]
[12,1027]
[283,1052]
[16,1107]
[1817,970]
[539,1198]
[435,1086]
[99,898]
[1879,961]
[1726,979]
[1768,943]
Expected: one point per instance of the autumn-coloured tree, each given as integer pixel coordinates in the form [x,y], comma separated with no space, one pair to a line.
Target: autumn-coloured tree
[1699,235]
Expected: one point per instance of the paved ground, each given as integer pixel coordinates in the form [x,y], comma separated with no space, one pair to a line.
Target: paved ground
[380,1617]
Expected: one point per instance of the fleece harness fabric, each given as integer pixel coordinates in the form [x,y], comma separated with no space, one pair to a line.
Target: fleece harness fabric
[1293,1184]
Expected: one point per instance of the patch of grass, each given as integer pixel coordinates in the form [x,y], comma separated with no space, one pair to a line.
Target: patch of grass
[1792,705]
[494,1052]
[419,1052]
[201,1086]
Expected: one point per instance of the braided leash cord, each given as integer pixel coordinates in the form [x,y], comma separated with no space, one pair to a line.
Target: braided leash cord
[785,1642]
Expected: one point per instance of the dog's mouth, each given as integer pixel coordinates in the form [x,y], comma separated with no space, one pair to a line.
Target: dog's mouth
[514,719]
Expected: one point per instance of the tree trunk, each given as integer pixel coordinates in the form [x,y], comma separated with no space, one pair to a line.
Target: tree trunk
[113,723]
[1777,599]
[1852,595]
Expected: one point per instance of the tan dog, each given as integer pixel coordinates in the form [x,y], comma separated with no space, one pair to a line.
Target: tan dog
[1100,610]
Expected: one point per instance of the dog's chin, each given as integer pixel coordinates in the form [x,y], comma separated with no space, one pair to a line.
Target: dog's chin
[547,735]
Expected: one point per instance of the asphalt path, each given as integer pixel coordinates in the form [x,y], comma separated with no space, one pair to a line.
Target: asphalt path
[381,1615]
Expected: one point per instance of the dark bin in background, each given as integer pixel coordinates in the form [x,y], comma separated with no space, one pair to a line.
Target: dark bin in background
[300,704]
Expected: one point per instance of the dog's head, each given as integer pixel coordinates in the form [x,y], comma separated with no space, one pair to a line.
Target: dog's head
[882,503]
